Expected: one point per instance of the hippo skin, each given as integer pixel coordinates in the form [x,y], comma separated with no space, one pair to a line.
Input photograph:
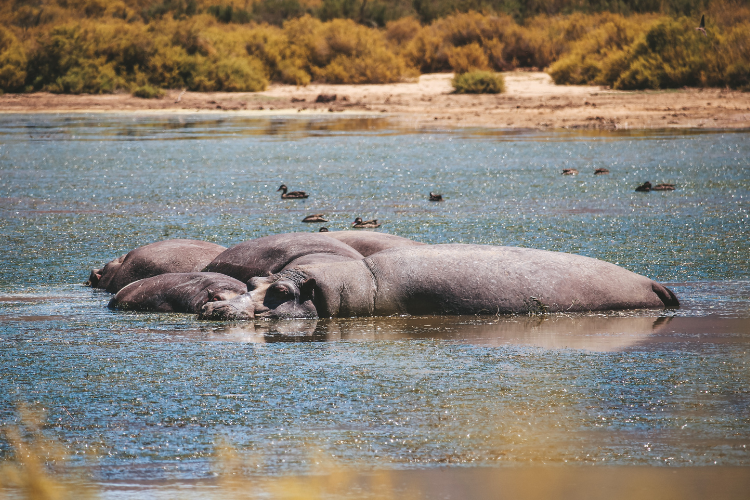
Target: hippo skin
[177,292]
[368,243]
[168,256]
[271,254]
[451,279]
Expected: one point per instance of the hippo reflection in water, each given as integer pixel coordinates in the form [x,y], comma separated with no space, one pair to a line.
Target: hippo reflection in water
[445,279]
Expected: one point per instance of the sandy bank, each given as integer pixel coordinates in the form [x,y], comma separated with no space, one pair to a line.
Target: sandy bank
[531,101]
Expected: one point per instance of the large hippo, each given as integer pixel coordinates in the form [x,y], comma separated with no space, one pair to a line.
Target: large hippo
[271,254]
[168,256]
[177,292]
[368,243]
[445,279]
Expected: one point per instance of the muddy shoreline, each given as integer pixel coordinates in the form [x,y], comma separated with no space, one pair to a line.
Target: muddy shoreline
[531,101]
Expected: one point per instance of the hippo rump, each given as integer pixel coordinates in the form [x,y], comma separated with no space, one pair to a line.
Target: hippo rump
[271,254]
[449,279]
[368,243]
[177,292]
[168,256]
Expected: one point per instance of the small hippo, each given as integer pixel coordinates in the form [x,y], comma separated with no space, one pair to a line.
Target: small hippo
[451,279]
[270,254]
[368,243]
[168,256]
[177,292]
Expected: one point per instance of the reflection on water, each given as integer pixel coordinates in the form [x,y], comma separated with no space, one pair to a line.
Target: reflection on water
[594,333]
[155,391]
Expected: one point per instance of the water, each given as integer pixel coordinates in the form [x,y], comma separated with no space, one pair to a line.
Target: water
[154,393]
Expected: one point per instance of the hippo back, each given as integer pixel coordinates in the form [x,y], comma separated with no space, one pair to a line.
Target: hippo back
[168,256]
[270,254]
[480,279]
[368,243]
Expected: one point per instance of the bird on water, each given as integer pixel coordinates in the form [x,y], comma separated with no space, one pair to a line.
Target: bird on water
[367,224]
[315,218]
[291,194]
[435,197]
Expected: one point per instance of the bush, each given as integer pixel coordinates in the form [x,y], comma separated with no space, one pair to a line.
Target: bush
[101,46]
[478,82]
[148,92]
[12,62]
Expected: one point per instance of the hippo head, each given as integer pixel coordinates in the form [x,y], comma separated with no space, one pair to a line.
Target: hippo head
[108,272]
[94,277]
[288,294]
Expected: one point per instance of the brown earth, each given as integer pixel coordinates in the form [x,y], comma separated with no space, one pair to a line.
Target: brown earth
[531,101]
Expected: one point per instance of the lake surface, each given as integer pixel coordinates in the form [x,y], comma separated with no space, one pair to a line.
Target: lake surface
[155,393]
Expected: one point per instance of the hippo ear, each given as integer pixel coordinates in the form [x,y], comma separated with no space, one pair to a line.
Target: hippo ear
[307,290]
[254,282]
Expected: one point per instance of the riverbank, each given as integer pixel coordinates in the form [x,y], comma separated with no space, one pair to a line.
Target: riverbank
[531,101]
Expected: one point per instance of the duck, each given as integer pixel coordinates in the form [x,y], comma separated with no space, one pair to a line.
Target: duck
[315,218]
[702,27]
[368,224]
[435,197]
[569,171]
[600,171]
[323,230]
[291,194]
[644,188]
[665,186]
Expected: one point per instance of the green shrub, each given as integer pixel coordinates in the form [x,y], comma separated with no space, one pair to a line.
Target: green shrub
[148,91]
[12,62]
[478,82]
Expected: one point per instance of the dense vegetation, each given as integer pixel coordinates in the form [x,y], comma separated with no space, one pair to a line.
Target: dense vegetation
[142,46]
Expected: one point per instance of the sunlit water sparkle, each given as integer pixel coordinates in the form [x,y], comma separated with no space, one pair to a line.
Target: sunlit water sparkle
[154,392]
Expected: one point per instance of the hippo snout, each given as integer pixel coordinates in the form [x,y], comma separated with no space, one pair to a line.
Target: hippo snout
[226,310]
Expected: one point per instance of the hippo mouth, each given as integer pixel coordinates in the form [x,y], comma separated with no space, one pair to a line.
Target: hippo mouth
[225,310]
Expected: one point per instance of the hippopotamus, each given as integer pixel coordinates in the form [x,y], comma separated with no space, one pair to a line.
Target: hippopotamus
[368,243]
[177,292]
[168,256]
[271,254]
[451,279]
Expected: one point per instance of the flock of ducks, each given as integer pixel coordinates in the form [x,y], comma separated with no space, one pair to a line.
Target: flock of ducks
[358,222]
[371,224]
[643,188]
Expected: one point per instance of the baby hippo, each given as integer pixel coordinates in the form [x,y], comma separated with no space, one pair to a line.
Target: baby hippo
[177,292]
[446,280]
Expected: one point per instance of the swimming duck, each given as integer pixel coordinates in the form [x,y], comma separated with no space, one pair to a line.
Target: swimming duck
[663,187]
[368,224]
[644,188]
[569,171]
[435,197]
[600,171]
[291,194]
[315,218]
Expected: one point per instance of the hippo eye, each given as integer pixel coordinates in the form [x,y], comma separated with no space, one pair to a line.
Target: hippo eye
[282,290]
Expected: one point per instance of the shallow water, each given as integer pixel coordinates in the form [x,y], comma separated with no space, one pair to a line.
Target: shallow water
[154,392]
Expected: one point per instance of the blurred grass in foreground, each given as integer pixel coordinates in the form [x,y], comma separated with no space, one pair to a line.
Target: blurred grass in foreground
[36,470]
[91,46]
